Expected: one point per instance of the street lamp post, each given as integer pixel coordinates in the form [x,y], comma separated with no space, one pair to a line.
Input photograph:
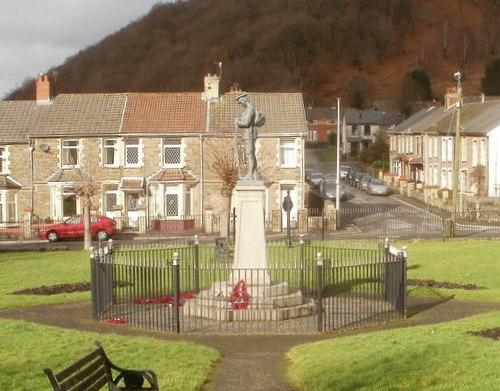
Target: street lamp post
[455,196]
[337,179]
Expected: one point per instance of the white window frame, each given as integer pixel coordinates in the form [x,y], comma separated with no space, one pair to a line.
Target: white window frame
[287,153]
[8,207]
[168,146]
[447,149]
[130,147]
[66,149]
[57,195]
[106,147]
[4,161]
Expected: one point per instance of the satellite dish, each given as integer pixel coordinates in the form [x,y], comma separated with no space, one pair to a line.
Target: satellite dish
[44,147]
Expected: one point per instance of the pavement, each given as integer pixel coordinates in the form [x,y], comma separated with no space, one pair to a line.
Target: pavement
[250,362]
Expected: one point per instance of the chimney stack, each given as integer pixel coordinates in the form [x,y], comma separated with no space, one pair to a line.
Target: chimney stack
[211,91]
[43,89]
[451,97]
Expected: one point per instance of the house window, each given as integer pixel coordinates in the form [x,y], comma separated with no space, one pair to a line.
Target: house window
[367,130]
[110,153]
[7,207]
[132,152]
[288,155]
[172,205]
[3,160]
[475,153]
[354,130]
[447,149]
[69,201]
[70,153]
[312,135]
[482,152]
[172,152]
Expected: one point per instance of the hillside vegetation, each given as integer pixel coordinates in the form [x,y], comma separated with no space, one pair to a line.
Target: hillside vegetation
[323,48]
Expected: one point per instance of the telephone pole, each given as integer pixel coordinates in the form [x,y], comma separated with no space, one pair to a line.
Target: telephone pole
[455,195]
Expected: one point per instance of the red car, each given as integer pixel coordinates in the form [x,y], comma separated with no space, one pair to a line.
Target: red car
[101,227]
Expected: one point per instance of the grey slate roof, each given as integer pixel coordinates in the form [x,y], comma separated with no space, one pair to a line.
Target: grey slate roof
[284,112]
[368,117]
[441,120]
[136,113]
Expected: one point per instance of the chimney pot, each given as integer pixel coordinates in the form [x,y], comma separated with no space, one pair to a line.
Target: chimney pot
[43,89]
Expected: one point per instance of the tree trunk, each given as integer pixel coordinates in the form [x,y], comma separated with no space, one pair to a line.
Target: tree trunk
[87,239]
[225,223]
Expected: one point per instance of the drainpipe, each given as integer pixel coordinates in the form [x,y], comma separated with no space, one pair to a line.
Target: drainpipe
[31,146]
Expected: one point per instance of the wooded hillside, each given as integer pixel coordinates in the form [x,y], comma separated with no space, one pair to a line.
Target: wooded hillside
[323,48]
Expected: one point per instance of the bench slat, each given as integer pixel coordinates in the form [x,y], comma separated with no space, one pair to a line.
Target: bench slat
[92,373]
[84,379]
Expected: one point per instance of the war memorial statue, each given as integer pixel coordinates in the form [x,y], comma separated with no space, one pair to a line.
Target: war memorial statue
[250,119]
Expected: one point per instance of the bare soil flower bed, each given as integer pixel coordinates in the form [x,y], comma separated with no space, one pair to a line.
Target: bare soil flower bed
[446,285]
[62,288]
[85,286]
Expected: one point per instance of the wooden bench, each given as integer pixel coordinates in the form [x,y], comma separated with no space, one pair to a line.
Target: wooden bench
[96,371]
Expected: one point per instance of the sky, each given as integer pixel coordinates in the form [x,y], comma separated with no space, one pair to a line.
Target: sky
[36,35]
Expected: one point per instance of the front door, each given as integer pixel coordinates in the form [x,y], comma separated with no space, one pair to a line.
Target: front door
[132,213]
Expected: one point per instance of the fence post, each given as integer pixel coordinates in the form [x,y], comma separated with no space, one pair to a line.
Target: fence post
[323,224]
[176,286]
[319,294]
[302,243]
[386,249]
[93,282]
[196,263]
[404,255]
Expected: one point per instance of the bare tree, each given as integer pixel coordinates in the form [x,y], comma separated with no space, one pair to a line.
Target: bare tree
[86,187]
[222,161]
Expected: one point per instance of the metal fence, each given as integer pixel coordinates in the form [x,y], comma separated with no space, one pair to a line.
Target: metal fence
[193,288]
[348,224]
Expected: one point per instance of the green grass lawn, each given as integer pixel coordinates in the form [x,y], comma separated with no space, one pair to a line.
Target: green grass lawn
[462,262]
[437,357]
[28,348]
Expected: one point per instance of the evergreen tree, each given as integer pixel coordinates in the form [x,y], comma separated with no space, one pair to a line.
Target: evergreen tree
[490,83]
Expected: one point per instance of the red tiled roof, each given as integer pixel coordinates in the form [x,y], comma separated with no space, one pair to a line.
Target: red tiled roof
[132,183]
[165,113]
[172,175]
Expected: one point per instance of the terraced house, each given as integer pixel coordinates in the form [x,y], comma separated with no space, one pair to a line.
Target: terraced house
[422,147]
[146,152]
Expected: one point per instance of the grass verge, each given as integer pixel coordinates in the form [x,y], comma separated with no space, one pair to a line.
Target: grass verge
[435,357]
[28,348]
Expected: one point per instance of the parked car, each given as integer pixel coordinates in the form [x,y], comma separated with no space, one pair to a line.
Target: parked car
[308,173]
[349,178]
[329,190]
[363,181]
[101,227]
[316,178]
[343,171]
[356,178]
[377,187]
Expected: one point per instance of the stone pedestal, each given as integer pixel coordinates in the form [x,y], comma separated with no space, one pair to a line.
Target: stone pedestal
[268,300]
[250,241]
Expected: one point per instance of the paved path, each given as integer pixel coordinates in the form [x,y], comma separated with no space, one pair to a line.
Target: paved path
[250,363]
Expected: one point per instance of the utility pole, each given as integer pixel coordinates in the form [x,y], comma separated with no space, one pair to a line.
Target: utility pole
[337,179]
[455,196]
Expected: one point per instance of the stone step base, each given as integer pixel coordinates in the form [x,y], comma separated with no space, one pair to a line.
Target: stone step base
[269,302]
